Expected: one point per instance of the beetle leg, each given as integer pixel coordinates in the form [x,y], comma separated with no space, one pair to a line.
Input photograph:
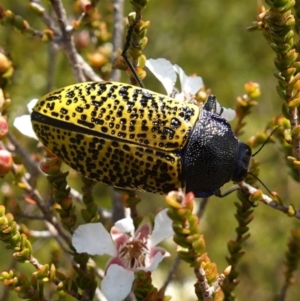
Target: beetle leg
[219,194]
[131,27]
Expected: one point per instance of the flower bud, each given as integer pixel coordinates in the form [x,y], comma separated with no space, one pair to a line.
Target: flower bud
[3,127]
[5,63]
[252,89]
[50,166]
[97,60]
[6,162]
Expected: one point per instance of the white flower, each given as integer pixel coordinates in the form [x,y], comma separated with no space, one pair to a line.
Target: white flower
[166,73]
[23,123]
[130,250]
[226,113]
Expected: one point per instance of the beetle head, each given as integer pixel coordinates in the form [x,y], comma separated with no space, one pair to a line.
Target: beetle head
[242,162]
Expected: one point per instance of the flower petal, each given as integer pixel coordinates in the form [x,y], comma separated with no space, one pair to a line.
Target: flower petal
[162,228]
[156,250]
[193,84]
[143,231]
[125,225]
[23,124]
[31,104]
[116,284]
[189,84]
[113,260]
[163,70]
[118,237]
[158,257]
[226,113]
[94,240]
[181,74]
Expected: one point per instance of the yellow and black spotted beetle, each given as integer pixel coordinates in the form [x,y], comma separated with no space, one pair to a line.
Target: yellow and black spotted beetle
[133,138]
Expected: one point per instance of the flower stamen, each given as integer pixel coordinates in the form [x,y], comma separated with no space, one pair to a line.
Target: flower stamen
[134,254]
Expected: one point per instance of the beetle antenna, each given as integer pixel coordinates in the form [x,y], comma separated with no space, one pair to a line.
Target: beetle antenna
[260,181]
[265,141]
[132,25]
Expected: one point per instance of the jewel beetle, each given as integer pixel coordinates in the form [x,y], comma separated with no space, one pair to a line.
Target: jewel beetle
[133,138]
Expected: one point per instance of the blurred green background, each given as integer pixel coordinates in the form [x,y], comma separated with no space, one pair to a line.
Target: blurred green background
[208,38]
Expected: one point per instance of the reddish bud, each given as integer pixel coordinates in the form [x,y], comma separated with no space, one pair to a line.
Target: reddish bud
[6,162]
[88,8]
[75,24]
[50,166]
[189,200]
[82,39]
[3,127]
[66,203]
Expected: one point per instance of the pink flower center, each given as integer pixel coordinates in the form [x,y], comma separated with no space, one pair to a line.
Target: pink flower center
[133,254]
